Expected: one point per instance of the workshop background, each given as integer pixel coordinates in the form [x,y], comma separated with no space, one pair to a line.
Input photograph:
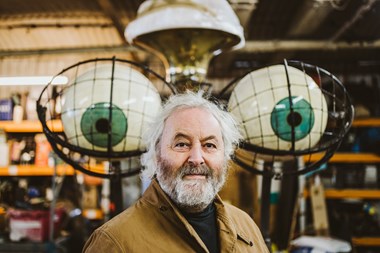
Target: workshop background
[43,37]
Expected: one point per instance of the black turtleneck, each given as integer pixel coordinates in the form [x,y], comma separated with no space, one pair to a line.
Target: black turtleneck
[204,223]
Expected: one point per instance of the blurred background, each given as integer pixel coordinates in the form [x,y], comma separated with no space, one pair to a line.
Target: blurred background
[40,38]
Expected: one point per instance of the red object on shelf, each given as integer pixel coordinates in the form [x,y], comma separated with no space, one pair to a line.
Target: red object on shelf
[43,150]
[32,225]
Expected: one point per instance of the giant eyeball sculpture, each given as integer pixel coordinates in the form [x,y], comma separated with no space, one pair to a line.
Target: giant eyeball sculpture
[104,110]
[288,111]
[101,115]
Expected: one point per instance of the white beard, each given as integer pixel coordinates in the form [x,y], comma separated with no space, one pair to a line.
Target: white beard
[191,195]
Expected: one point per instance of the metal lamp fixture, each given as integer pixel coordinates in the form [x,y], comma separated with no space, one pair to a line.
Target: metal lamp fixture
[185,35]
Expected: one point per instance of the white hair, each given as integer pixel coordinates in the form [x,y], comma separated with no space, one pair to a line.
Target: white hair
[152,137]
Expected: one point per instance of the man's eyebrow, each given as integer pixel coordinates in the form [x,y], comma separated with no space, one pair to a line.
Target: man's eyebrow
[181,135]
[186,136]
[211,137]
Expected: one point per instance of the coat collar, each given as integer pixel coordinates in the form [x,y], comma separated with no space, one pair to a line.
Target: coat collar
[156,197]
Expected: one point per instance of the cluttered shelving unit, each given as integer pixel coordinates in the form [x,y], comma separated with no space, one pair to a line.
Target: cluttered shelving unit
[355,194]
[11,174]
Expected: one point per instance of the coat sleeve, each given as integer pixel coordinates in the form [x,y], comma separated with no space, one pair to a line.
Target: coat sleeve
[100,242]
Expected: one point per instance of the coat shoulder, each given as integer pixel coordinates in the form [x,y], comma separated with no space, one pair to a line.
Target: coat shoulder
[236,212]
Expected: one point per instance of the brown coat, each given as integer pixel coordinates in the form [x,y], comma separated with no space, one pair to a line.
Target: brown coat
[154,224]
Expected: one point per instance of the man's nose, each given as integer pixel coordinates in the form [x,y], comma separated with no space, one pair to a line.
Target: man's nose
[196,155]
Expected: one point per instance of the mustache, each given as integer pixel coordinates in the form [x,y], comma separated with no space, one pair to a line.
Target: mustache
[195,170]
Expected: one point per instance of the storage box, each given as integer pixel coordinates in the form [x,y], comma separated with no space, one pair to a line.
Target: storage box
[32,225]
[6,109]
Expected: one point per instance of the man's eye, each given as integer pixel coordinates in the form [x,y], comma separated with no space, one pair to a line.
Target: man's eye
[181,144]
[210,145]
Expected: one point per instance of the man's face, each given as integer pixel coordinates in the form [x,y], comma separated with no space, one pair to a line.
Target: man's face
[192,166]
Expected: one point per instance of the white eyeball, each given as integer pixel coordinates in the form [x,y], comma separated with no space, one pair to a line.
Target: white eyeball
[106,107]
[263,99]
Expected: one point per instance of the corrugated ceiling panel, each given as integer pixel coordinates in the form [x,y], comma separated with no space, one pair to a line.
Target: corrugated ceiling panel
[62,32]
[14,7]
[50,64]
[32,39]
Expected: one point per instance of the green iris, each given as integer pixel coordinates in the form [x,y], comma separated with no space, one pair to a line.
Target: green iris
[283,120]
[95,124]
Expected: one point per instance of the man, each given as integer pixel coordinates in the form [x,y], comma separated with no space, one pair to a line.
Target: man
[188,149]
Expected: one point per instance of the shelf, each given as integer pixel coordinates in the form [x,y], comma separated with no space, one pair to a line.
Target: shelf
[32,170]
[346,158]
[29,126]
[366,241]
[366,122]
[349,194]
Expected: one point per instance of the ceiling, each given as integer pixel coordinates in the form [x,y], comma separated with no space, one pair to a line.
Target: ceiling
[342,36]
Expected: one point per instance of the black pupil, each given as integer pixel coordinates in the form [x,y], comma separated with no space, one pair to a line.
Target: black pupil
[294,119]
[102,125]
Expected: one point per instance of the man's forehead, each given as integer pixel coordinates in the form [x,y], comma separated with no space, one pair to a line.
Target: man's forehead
[192,116]
[185,121]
